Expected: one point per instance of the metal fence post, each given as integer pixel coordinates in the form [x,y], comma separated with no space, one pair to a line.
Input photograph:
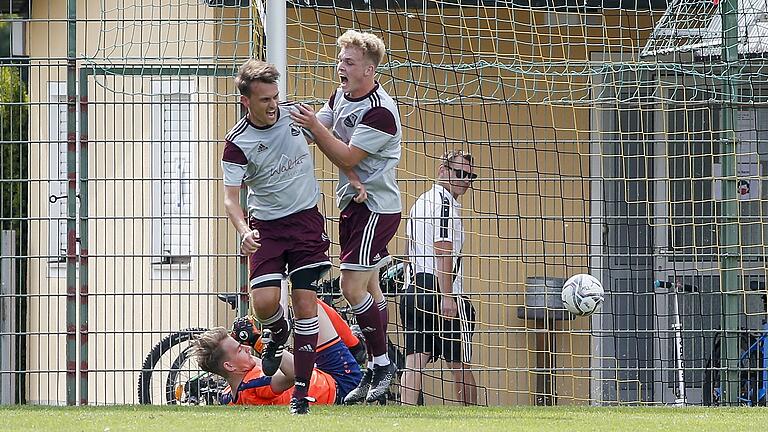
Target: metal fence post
[72,252]
[728,224]
[83,220]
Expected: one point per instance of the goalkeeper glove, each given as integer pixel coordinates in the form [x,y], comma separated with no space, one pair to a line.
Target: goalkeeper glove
[244,330]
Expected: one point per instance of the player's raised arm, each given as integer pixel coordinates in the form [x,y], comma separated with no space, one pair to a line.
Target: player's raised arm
[303,116]
[342,155]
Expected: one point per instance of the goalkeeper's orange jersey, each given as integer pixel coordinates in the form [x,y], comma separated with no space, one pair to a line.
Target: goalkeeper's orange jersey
[255,389]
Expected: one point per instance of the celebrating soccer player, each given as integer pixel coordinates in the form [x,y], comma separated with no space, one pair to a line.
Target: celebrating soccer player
[285,234]
[364,142]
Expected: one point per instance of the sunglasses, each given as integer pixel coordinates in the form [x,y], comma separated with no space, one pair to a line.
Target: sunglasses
[464,174]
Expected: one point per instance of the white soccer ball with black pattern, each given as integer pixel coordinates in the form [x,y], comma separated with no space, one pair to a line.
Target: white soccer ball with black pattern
[582,294]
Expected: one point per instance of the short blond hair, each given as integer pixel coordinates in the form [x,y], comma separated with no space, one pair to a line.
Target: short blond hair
[449,156]
[373,46]
[255,70]
[207,350]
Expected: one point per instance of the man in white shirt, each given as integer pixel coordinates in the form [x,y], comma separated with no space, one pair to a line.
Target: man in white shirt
[438,319]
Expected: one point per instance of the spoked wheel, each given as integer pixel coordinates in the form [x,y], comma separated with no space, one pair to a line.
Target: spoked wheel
[169,376]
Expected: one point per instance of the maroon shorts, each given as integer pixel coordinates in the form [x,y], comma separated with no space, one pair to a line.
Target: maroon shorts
[364,236]
[291,243]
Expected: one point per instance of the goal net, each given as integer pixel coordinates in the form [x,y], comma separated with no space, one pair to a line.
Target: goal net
[695,25]
[602,146]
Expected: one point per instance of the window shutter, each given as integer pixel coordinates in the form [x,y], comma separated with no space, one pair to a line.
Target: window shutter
[176,155]
[57,174]
[61,211]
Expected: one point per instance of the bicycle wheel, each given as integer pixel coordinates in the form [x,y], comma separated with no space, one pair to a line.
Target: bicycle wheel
[186,384]
[162,366]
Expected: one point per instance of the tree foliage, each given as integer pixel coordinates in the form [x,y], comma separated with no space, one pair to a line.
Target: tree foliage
[14,181]
[13,136]
[14,106]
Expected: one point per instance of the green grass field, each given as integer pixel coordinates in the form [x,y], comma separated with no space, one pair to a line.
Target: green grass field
[372,418]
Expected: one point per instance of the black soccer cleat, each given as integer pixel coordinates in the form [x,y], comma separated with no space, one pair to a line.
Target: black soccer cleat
[359,393]
[272,354]
[382,378]
[301,406]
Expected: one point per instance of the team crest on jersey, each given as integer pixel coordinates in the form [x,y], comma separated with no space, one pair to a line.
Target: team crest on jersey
[350,120]
[295,131]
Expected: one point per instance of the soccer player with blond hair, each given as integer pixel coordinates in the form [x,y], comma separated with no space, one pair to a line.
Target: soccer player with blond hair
[359,130]
[228,354]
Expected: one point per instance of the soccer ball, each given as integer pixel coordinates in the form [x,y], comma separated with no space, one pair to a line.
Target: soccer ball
[582,294]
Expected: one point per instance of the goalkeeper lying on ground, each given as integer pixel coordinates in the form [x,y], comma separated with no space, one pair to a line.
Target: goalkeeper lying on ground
[227,354]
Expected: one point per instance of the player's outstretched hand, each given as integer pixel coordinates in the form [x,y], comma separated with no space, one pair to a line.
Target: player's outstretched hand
[244,330]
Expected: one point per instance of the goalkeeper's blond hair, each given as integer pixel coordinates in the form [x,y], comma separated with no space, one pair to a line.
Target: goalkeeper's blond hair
[207,350]
[373,46]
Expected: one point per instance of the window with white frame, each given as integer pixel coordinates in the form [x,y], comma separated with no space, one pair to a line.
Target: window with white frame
[57,173]
[173,154]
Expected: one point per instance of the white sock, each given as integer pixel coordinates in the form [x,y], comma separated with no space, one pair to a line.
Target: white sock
[381,360]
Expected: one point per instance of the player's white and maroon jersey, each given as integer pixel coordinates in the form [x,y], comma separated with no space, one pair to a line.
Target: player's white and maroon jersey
[370,123]
[275,164]
[435,216]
